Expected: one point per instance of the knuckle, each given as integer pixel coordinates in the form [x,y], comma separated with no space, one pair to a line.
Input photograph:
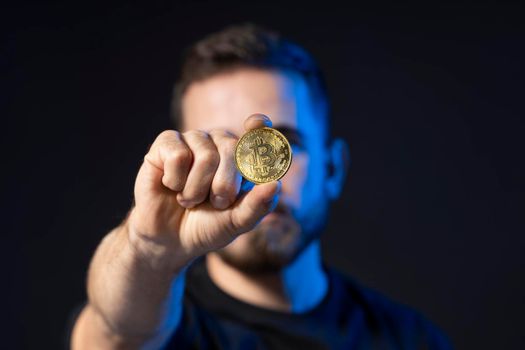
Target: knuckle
[229,145]
[241,222]
[199,134]
[180,156]
[221,136]
[220,133]
[168,134]
[209,157]
[216,133]
[226,146]
[224,188]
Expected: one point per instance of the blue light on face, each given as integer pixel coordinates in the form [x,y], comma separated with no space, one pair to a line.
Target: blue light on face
[308,140]
[309,143]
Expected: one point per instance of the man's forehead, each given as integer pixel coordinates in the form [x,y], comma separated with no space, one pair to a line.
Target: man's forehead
[224,101]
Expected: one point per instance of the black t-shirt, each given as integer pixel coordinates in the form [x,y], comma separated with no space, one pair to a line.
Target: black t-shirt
[349,317]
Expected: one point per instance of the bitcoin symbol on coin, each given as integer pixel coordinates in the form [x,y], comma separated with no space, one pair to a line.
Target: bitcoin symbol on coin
[263,155]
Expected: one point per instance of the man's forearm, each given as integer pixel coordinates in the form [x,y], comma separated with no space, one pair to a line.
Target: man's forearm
[133,300]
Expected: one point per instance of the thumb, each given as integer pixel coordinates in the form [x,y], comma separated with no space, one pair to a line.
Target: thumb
[251,207]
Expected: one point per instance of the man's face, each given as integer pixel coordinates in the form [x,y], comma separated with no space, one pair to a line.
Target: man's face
[224,101]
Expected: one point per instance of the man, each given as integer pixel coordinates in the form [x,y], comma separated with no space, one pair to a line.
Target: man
[203,262]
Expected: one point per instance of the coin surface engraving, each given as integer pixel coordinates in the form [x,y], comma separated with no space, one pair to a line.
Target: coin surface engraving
[263,155]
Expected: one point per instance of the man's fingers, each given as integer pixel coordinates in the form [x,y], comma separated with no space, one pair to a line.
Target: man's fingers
[170,154]
[227,180]
[254,205]
[256,121]
[205,162]
[196,164]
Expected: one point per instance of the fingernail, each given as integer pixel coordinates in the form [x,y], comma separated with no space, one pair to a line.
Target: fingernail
[220,202]
[265,119]
[185,203]
[267,122]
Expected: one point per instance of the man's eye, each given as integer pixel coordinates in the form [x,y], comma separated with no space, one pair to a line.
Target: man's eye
[294,138]
[296,147]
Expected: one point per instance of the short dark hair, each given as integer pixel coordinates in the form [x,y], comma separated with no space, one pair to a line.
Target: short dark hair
[247,45]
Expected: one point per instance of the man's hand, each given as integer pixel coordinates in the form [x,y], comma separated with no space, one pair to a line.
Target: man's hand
[187,202]
[186,196]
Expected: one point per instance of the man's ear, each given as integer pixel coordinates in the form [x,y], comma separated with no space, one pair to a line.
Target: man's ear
[338,165]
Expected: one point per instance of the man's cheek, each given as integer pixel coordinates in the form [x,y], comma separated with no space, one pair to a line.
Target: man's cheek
[295,180]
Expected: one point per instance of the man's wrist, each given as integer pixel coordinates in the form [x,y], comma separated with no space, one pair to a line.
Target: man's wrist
[159,255]
[92,330]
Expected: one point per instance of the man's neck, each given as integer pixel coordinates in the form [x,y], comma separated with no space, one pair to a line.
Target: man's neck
[297,288]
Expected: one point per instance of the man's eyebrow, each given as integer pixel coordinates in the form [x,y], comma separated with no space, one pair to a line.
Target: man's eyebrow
[292,134]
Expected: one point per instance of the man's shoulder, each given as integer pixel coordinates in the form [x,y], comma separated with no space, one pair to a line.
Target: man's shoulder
[375,303]
[386,315]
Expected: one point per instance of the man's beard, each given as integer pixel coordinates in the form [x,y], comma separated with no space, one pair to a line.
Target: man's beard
[271,245]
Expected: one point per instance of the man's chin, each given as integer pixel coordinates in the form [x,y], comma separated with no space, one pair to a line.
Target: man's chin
[273,244]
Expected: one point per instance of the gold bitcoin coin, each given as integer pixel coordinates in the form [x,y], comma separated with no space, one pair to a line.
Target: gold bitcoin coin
[263,155]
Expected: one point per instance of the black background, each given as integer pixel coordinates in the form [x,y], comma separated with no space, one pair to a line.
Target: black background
[430,100]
